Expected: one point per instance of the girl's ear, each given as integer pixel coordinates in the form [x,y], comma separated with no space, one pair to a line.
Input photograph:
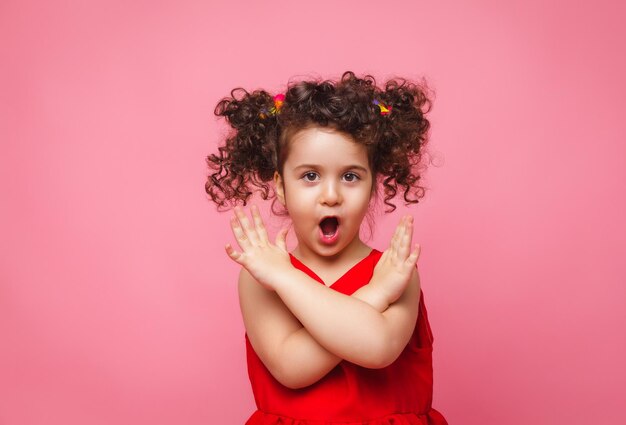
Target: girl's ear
[280,189]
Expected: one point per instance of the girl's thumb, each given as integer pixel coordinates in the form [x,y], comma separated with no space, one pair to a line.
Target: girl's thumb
[415,254]
[280,239]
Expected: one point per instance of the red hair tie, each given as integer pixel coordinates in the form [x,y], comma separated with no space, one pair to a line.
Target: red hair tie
[279,99]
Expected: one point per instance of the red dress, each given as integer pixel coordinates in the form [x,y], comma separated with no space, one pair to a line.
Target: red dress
[400,393]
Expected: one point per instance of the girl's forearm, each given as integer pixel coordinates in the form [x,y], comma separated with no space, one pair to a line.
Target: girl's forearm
[307,361]
[346,326]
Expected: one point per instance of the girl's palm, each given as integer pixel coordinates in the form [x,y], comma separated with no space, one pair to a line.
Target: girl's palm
[259,256]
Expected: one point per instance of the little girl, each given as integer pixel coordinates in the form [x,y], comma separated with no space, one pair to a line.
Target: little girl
[336,331]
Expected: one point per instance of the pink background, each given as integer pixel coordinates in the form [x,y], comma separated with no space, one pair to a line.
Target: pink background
[118,304]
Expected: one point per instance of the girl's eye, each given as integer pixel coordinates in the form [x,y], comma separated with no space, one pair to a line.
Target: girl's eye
[309,174]
[354,177]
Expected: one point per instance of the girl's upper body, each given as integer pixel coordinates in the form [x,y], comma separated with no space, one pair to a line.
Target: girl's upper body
[358,349]
[400,393]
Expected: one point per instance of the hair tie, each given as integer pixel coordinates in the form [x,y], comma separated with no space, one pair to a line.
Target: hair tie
[384,109]
[279,99]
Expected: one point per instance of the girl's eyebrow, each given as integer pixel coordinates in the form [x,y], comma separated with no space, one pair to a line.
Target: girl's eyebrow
[348,167]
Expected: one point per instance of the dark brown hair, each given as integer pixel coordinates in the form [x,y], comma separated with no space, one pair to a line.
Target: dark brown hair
[258,144]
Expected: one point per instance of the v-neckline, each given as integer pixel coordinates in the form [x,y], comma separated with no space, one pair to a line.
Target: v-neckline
[361,261]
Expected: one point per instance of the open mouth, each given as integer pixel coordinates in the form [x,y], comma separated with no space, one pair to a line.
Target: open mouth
[329,226]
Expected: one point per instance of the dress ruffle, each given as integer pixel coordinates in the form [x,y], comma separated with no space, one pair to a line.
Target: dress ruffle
[433,417]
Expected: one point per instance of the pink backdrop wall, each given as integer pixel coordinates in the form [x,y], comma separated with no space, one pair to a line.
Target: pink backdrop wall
[117,302]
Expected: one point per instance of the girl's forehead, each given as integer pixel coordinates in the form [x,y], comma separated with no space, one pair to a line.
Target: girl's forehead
[325,146]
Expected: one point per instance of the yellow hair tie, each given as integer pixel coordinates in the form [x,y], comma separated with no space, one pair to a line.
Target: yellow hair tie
[384,109]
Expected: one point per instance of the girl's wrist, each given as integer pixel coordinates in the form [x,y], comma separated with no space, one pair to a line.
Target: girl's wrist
[285,278]
[373,295]
[277,278]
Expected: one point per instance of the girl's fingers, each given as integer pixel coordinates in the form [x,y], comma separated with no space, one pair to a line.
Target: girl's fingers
[396,236]
[250,231]
[407,237]
[404,247]
[260,227]
[240,235]
[400,239]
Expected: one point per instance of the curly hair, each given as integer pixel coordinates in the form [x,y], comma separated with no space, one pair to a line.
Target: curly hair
[258,144]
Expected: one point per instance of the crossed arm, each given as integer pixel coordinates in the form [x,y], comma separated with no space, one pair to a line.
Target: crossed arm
[308,361]
[304,329]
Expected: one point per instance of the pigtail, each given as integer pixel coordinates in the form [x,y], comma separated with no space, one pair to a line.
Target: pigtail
[401,137]
[247,159]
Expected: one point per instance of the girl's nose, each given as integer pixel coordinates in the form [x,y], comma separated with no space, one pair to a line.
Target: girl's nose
[330,194]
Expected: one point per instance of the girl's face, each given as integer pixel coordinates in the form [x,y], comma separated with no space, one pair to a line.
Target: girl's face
[325,174]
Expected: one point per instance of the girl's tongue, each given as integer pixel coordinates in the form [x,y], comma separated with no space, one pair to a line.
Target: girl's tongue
[329,230]
[329,226]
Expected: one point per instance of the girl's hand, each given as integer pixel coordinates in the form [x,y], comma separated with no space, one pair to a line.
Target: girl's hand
[393,271]
[262,259]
